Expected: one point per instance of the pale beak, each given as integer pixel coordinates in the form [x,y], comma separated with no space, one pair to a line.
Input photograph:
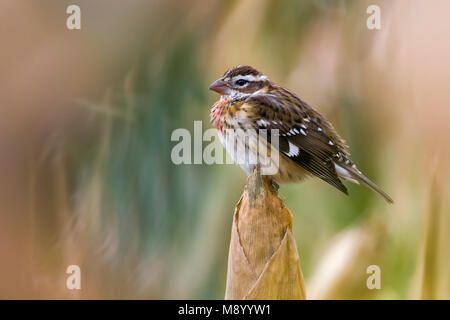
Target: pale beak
[220,86]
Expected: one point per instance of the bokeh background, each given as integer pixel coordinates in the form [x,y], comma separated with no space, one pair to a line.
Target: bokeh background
[87,115]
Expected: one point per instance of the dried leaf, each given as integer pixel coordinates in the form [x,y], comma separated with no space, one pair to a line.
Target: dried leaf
[263,260]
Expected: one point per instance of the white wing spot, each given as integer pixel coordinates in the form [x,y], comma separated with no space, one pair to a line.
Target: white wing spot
[293,150]
[319,129]
[262,123]
[331,143]
[303,132]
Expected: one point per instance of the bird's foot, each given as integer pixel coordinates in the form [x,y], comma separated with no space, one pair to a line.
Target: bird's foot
[274,186]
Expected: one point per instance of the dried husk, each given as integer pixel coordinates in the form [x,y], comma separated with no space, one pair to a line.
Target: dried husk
[263,261]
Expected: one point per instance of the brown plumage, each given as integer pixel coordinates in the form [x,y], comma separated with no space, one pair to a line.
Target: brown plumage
[308,143]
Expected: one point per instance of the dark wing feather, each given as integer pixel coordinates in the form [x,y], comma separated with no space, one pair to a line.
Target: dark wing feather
[325,170]
[305,128]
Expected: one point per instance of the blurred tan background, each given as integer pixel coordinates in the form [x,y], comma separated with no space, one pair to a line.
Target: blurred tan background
[86,176]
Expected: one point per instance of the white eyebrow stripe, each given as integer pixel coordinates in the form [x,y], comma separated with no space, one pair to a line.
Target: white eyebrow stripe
[250,78]
[261,78]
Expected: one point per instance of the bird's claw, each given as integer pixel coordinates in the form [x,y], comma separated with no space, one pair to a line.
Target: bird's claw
[274,186]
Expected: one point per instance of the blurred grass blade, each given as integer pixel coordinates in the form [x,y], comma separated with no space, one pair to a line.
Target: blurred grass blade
[430,276]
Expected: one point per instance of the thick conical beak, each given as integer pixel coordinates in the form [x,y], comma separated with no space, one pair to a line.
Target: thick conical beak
[220,86]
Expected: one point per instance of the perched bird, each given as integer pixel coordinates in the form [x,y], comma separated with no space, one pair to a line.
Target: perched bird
[308,144]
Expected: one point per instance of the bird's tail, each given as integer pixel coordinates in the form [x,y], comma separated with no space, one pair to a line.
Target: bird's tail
[354,175]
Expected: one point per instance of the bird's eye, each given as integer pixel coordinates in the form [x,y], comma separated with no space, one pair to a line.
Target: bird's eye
[241,82]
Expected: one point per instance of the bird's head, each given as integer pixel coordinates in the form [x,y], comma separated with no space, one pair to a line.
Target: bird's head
[240,82]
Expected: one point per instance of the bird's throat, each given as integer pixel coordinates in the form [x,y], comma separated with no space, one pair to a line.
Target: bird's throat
[216,112]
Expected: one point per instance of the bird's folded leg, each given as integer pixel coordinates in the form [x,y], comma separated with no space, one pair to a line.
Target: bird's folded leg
[274,186]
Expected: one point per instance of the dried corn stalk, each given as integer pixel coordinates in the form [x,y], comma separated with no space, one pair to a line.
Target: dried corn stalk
[263,262]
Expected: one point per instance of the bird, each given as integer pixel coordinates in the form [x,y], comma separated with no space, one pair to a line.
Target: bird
[308,145]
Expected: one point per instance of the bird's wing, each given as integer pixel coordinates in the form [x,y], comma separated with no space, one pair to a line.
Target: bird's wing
[304,136]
